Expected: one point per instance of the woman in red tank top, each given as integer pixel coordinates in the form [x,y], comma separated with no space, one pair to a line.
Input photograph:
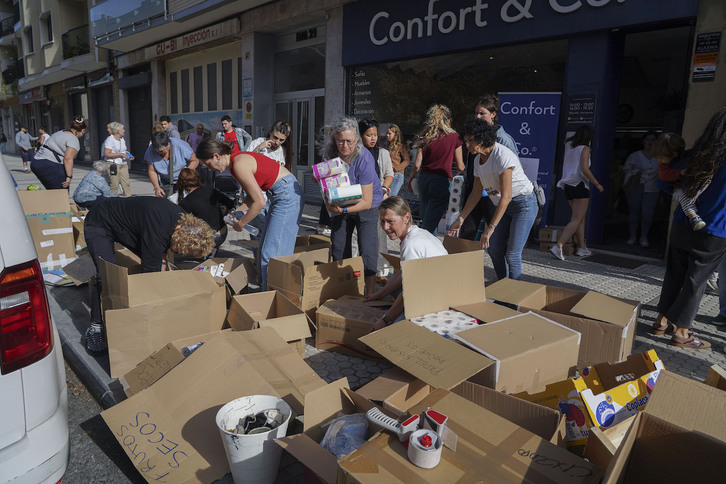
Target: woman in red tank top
[257,173]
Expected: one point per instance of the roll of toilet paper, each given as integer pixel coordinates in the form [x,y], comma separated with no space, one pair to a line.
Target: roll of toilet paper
[421,455]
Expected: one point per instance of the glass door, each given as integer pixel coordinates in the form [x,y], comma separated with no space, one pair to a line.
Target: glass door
[304,111]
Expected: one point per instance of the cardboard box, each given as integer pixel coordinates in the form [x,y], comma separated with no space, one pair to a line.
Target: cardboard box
[602,444]
[398,391]
[489,449]
[342,321]
[679,437]
[716,377]
[78,216]
[551,233]
[237,272]
[303,243]
[567,248]
[528,351]
[455,245]
[48,213]
[607,324]
[308,279]
[270,309]
[168,429]
[605,395]
[136,332]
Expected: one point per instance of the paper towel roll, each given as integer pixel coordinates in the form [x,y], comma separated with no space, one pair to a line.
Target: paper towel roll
[344,195]
[426,458]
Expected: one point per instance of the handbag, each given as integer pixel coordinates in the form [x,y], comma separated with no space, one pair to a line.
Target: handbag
[539,193]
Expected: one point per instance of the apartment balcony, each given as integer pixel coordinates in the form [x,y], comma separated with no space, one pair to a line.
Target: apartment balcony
[114,17]
[7,25]
[11,73]
[76,42]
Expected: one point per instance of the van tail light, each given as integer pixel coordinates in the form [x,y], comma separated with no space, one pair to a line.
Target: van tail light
[25,328]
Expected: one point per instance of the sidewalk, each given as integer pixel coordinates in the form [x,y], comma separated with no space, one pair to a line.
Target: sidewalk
[70,307]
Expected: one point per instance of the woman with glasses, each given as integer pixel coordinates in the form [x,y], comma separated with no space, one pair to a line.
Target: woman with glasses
[343,140]
[53,163]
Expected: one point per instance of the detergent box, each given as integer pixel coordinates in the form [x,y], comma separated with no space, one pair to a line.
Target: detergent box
[602,395]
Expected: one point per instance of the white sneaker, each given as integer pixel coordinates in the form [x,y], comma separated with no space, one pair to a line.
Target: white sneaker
[323,231]
[583,252]
[557,252]
[712,284]
[644,242]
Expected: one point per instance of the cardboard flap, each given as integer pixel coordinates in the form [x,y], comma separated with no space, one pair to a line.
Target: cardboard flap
[486,312]
[151,369]
[115,285]
[290,328]
[520,293]
[322,404]
[81,270]
[312,455]
[426,355]
[455,245]
[604,308]
[435,284]
[394,260]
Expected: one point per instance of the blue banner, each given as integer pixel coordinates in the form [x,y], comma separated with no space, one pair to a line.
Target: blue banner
[531,118]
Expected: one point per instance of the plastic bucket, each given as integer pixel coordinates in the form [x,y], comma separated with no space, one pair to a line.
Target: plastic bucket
[253,458]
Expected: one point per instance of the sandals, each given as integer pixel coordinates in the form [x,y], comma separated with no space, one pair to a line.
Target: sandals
[690,342]
[659,330]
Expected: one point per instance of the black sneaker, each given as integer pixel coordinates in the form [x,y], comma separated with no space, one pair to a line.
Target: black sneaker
[96,338]
[697,222]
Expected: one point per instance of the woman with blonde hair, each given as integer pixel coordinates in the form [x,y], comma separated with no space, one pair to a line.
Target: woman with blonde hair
[438,147]
[399,156]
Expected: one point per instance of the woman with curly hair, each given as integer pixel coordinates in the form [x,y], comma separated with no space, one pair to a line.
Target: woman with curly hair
[500,173]
[438,148]
[399,156]
[149,227]
[256,173]
[694,255]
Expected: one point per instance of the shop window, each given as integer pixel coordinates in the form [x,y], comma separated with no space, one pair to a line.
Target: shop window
[185,99]
[198,89]
[212,87]
[227,84]
[173,93]
[28,40]
[300,69]
[46,28]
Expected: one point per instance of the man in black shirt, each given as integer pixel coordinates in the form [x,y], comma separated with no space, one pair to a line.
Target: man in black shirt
[149,227]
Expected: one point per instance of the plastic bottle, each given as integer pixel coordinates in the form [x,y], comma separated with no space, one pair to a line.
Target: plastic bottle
[232,219]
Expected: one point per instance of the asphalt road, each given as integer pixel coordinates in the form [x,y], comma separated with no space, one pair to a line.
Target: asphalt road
[96,455]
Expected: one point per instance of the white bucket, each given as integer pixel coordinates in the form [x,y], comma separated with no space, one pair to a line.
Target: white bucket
[252,458]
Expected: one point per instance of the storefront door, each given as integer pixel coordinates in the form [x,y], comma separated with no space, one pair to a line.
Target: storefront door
[304,111]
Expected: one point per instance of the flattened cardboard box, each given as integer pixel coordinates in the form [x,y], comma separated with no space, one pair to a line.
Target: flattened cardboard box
[270,309]
[489,449]
[607,324]
[308,279]
[124,289]
[679,437]
[168,429]
[528,350]
[48,213]
[135,333]
[342,321]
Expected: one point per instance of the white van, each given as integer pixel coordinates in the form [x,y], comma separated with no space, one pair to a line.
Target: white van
[34,439]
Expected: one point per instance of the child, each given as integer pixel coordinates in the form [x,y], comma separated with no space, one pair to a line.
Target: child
[668,149]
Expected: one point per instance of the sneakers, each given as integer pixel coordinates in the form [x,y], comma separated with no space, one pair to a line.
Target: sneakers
[26,169]
[631,241]
[697,222]
[557,252]
[323,231]
[712,284]
[95,338]
[644,242]
[719,320]
[583,252]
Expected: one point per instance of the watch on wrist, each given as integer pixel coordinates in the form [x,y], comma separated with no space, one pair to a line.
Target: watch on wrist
[345,209]
[387,320]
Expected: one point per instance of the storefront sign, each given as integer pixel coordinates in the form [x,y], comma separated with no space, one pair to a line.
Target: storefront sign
[706,56]
[580,110]
[192,39]
[31,95]
[381,30]
[531,118]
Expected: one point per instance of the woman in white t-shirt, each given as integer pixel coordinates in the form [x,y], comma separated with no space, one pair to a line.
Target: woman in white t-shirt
[416,243]
[576,179]
[499,175]
[114,151]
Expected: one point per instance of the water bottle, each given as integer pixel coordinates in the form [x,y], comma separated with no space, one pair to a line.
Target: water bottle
[232,218]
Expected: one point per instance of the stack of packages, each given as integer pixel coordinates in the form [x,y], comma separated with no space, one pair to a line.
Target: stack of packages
[456,198]
[335,183]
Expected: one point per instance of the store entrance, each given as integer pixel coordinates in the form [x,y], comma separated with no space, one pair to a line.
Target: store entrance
[653,90]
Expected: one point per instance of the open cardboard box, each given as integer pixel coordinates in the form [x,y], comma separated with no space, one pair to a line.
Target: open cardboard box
[455,245]
[340,322]
[308,279]
[237,272]
[604,395]
[679,437]
[270,309]
[48,213]
[528,351]
[303,243]
[489,449]
[168,429]
[602,444]
[607,324]
[398,391]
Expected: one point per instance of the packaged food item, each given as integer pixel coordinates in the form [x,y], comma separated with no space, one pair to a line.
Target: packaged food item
[327,168]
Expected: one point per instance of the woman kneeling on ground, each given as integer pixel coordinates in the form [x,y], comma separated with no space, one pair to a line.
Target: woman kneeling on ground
[416,243]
